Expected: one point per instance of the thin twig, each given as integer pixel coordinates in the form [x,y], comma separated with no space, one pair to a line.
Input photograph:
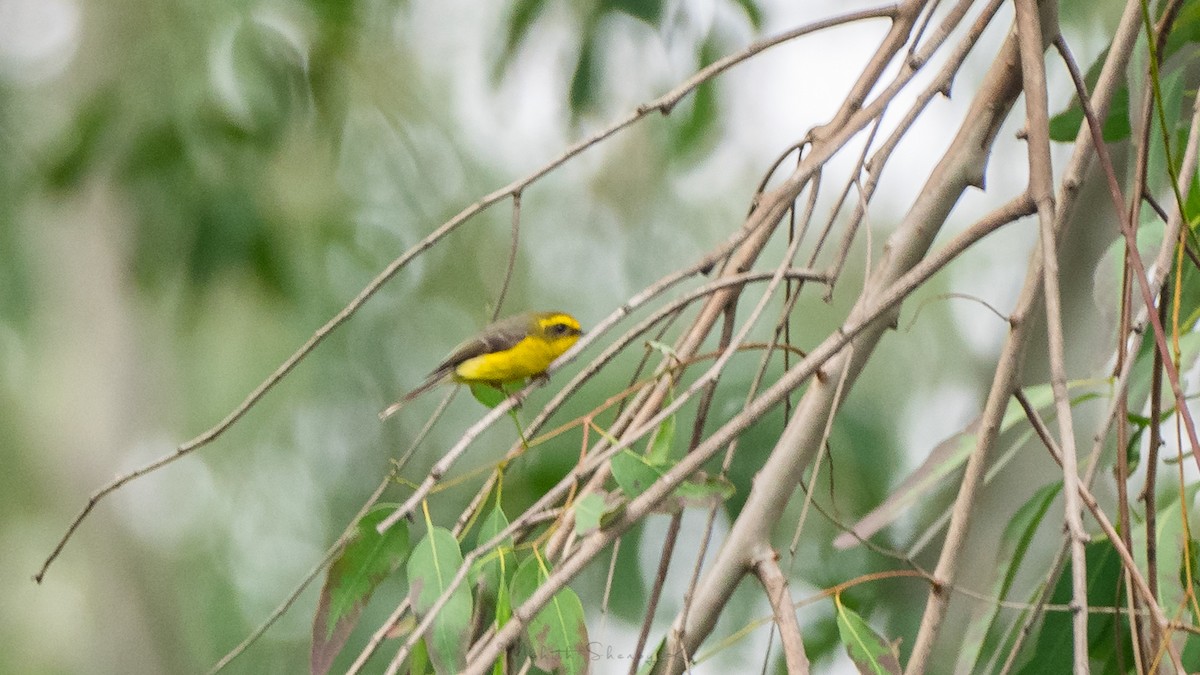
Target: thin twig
[1118,543]
[287,603]
[596,542]
[1031,33]
[538,511]
[1129,230]
[379,636]
[660,578]
[766,568]
[451,456]
[663,104]
[514,245]
[1006,371]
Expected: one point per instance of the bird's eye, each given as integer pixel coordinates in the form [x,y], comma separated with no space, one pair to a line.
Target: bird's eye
[559,329]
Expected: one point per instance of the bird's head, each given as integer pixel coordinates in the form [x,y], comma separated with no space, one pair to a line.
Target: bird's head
[559,329]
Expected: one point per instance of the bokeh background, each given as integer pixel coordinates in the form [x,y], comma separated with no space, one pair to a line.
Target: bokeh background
[189,189]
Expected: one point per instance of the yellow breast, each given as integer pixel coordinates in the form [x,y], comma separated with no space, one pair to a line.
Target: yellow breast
[531,356]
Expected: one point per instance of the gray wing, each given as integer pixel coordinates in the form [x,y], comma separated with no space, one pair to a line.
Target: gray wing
[501,335]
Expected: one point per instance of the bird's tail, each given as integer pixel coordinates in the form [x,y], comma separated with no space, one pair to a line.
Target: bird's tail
[434,379]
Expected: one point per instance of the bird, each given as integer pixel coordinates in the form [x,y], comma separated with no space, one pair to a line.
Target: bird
[512,349]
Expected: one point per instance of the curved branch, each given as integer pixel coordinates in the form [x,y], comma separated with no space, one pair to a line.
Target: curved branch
[886,301]
[663,104]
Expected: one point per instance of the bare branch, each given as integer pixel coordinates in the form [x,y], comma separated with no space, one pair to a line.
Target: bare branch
[591,546]
[1004,380]
[1118,542]
[766,567]
[662,104]
[1032,33]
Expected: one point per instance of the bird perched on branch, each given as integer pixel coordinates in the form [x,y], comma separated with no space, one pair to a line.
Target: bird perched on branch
[509,350]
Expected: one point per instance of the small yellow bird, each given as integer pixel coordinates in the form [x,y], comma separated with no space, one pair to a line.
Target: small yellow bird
[508,350]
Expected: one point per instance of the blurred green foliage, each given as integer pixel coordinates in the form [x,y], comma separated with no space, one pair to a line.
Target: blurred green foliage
[255,165]
[595,20]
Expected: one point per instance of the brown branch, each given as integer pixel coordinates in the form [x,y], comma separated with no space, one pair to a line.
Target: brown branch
[287,603]
[775,204]
[592,545]
[1129,230]
[663,104]
[766,568]
[1130,565]
[1126,34]
[1033,39]
[451,456]
[1006,371]
[536,513]
[660,578]
[1150,490]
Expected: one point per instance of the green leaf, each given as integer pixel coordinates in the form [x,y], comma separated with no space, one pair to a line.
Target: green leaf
[583,81]
[557,635]
[1189,565]
[1192,203]
[870,652]
[587,513]
[703,491]
[1170,538]
[649,11]
[1133,447]
[1185,30]
[1018,534]
[1065,125]
[1191,647]
[1172,87]
[418,662]
[493,569]
[503,606]
[659,450]
[503,614]
[489,395]
[697,116]
[753,13]
[366,560]
[1014,545]
[1052,650]
[431,568]
[633,473]
[524,14]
